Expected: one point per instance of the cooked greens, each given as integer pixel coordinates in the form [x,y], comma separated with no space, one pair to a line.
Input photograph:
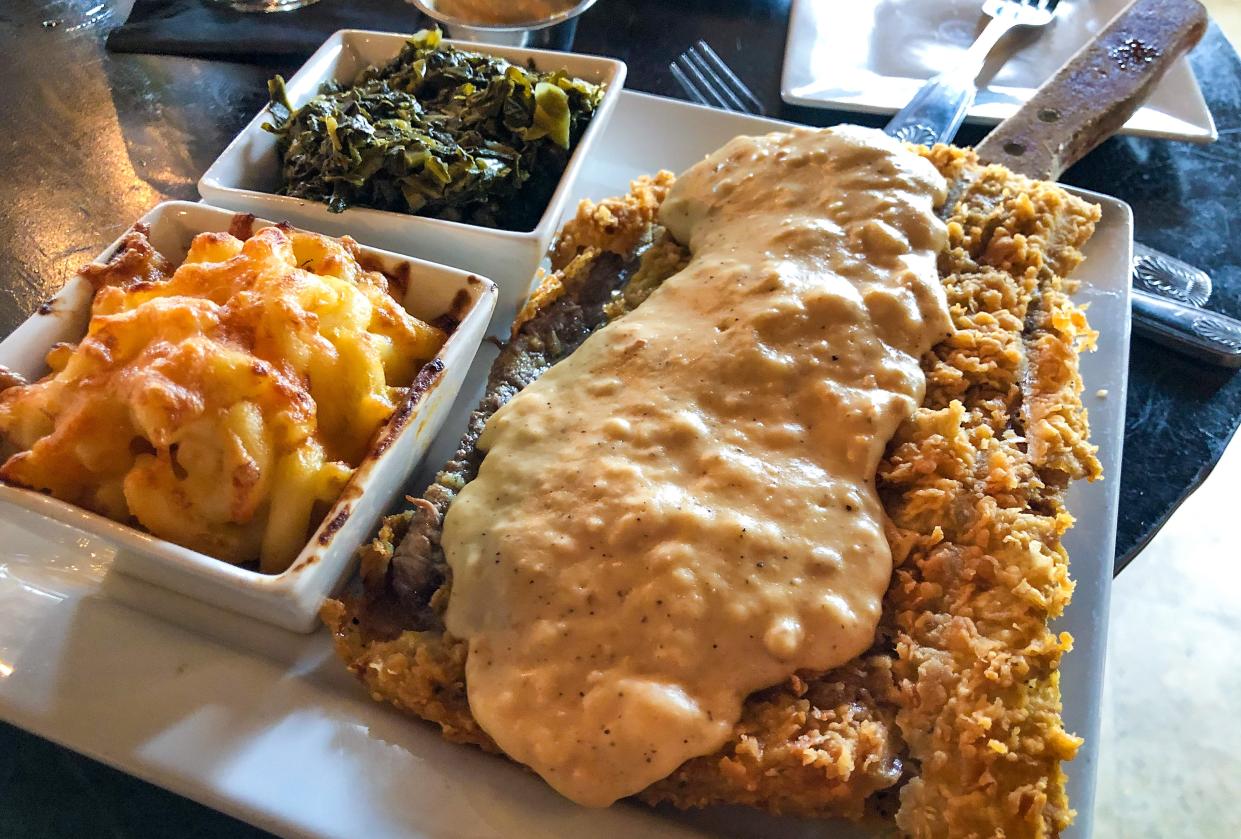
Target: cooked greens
[437,131]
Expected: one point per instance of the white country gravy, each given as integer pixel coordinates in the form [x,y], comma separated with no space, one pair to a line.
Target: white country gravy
[683,511]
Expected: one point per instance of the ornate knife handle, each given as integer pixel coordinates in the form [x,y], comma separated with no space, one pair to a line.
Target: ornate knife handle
[1163,274]
[1206,335]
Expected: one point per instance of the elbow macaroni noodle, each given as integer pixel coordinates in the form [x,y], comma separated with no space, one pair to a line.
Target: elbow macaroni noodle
[224,405]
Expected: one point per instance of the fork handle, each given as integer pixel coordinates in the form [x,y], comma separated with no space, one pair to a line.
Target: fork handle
[937,110]
[1097,90]
[1163,274]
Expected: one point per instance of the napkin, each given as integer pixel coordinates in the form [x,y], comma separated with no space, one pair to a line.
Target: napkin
[208,30]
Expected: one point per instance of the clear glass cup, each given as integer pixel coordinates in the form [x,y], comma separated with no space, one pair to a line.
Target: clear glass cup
[263,6]
[554,31]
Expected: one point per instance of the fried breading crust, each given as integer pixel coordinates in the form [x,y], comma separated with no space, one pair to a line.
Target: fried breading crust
[973,485]
[614,224]
[959,697]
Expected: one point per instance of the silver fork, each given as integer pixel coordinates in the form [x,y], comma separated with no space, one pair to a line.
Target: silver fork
[707,80]
[938,109]
[1167,292]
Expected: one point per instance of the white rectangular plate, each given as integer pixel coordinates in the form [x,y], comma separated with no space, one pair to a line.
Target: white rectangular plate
[267,725]
[873,55]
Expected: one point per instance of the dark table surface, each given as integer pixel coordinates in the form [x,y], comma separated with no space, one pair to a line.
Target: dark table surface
[91,140]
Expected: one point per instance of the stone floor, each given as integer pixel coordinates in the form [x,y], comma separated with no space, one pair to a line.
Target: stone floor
[1170,762]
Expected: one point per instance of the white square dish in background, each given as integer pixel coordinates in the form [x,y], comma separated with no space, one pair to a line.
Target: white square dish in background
[290,599]
[246,175]
[873,56]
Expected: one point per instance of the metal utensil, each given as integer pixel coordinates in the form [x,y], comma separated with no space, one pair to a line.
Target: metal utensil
[1063,121]
[1167,276]
[707,80]
[1166,295]
[938,109]
[1166,291]
[1187,329]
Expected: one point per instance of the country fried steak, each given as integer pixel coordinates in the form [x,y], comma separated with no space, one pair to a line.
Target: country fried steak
[952,718]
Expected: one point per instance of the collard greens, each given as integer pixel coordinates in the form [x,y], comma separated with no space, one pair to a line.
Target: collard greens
[438,132]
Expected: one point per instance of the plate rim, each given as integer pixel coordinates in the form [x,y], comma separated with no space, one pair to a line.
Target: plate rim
[206,786]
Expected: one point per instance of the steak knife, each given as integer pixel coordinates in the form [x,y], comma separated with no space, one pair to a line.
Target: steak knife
[1084,103]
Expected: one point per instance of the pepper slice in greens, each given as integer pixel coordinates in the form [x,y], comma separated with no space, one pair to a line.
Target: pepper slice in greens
[438,132]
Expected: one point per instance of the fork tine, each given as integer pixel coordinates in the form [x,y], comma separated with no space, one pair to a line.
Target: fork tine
[717,85]
[711,95]
[686,85]
[718,95]
[710,57]
[690,87]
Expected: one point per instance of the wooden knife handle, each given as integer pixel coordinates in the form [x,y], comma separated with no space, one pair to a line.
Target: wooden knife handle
[1100,87]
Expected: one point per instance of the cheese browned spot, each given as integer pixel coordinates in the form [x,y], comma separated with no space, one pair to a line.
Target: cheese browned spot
[224,404]
[683,511]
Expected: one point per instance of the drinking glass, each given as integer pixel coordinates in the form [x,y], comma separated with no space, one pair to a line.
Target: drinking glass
[264,6]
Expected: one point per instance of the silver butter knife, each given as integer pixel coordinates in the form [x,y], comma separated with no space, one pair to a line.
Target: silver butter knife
[1167,292]
[1167,276]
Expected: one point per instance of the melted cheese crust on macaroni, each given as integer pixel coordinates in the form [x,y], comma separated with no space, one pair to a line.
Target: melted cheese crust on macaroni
[225,405]
[683,511]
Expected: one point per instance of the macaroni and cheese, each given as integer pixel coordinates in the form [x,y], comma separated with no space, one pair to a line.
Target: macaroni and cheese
[222,405]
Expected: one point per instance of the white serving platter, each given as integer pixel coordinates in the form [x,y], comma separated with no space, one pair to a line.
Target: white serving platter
[267,726]
[873,55]
[245,176]
[290,599]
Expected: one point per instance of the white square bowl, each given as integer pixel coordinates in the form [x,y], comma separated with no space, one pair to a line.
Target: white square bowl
[246,175]
[291,599]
